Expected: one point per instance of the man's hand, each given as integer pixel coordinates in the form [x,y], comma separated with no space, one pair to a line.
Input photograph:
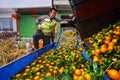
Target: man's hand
[39,27]
[73,18]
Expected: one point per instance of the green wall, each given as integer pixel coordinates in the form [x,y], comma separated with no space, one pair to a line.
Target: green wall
[27,25]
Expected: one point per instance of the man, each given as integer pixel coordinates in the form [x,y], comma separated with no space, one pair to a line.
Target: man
[46,25]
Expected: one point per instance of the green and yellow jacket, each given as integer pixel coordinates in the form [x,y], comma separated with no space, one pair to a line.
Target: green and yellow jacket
[48,24]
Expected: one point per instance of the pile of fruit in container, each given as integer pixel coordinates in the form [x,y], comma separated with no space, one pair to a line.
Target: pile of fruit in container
[105,50]
[11,48]
[66,62]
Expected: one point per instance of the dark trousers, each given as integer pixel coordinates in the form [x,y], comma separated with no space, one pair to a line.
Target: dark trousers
[46,40]
[39,35]
[52,37]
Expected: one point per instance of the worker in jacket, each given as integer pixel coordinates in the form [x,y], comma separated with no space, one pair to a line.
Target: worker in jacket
[46,25]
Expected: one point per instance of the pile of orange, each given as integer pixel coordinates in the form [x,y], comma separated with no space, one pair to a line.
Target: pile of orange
[105,45]
[55,64]
[113,74]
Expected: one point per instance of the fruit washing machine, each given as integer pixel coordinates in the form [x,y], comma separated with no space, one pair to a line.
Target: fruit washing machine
[93,15]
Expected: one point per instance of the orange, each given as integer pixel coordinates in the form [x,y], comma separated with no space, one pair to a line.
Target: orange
[98,34]
[49,74]
[100,41]
[36,78]
[39,61]
[27,66]
[114,40]
[37,68]
[78,72]
[37,65]
[41,79]
[91,41]
[113,74]
[111,44]
[110,48]
[27,79]
[118,27]
[47,65]
[107,41]
[48,61]
[80,78]
[116,37]
[119,71]
[38,74]
[51,69]
[94,44]
[66,66]
[81,49]
[77,56]
[82,71]
[41,66]
[33,64]
[111,31]
[24,74]
[54,71]
[55,67]
[83,42]
[62,68]
[27,70]
[93,51]
[82,65]
[104,45]
[32,68]
[117,33]
[87,77]
[17,75]
[103,49]
[52,63]
[95,59]
[75,77]
[61,71]
[44,61]
[97,52]
[108,38]
[73,68]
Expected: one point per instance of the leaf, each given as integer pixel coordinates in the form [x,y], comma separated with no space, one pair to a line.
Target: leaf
[93,76]
[48,78]
[116,65]
[95,68]
[118,51]
[67,77]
